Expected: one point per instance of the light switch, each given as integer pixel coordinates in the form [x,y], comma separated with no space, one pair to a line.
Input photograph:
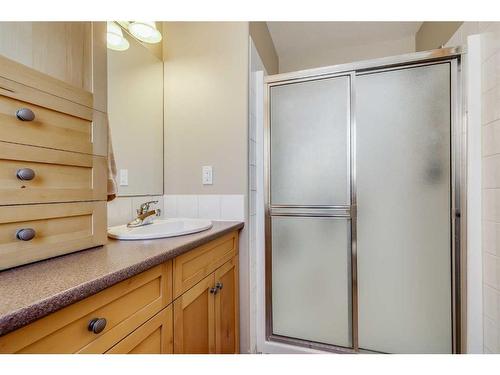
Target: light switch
[206,175]
[123,177]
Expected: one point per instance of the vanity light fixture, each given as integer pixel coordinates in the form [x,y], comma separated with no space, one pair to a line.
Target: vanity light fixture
[145,31]
[115,39]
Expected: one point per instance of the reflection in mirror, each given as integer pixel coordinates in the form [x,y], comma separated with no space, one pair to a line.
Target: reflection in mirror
[135,107]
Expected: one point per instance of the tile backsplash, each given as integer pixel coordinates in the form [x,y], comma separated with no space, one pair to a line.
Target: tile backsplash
[214,207]
[123,209]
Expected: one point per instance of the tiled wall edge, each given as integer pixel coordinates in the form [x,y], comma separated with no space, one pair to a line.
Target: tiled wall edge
[206,206]
[224,207]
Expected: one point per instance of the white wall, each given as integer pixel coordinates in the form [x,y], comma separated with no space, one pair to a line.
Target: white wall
[319,58]
[483,244]
[490,121]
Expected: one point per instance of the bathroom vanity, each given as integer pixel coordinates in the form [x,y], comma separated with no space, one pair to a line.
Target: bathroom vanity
[173,295]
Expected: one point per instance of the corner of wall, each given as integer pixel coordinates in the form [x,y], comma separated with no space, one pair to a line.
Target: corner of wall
[259,32]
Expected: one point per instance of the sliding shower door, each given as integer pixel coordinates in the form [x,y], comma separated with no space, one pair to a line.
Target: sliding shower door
[363,207]
[309,218]
[403,132]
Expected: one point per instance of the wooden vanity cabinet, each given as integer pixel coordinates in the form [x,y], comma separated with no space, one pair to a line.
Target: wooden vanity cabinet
[194,319]
[53,139]
[143,314]
[153,337]
[227,312]
[206,315]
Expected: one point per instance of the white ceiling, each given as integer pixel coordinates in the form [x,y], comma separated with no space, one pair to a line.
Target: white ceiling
[295,37]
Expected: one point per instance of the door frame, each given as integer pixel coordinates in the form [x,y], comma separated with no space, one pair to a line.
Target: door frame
[458,186]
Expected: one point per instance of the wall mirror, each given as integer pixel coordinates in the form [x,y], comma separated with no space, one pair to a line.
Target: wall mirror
[135,107]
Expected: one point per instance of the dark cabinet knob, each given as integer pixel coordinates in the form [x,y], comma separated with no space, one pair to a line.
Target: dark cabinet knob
[25,234]
[25,174]
[97,325]
[213,290]
[219,285]
[25,114]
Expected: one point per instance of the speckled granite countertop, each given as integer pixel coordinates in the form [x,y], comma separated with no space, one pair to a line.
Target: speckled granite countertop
[30,292]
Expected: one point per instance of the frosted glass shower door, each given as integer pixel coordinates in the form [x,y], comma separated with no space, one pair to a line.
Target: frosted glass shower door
[404,210]
[309,209]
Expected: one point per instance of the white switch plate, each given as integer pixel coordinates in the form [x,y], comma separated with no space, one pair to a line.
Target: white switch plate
[123,177]
[206,175]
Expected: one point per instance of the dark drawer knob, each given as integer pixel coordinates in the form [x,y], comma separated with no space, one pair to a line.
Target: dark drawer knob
[25,234]
[25,114]
[97,325]
[219,285]
[25,174]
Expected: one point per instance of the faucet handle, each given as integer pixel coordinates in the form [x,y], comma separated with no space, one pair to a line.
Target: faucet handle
[145,207]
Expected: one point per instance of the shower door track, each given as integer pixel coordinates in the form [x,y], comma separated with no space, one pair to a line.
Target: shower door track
[458,191]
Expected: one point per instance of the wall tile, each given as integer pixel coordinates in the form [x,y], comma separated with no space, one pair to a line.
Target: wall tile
[491,72]
[491,237]
[491,270]
[491,138]
[491,172]
[209,207]
[187,206]
[490,42]
[490,110]
[119,211]
[232,207]
[484,26]
[491,205]
[469,28]
[170,205]
[491,336]
[492,303]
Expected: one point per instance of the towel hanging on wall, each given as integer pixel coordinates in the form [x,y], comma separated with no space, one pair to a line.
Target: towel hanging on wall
[112,173]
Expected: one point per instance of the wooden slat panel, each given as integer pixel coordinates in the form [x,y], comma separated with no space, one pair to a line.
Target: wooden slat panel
[61,228]
[48,64]
[59,176]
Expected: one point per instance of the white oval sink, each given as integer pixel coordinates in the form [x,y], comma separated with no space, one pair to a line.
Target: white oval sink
[160,229]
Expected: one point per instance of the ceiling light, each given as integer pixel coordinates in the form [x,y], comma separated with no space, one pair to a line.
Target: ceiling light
[116,40]
[145,31]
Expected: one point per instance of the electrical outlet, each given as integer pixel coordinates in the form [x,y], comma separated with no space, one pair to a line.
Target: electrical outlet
[206,175]
[123,177]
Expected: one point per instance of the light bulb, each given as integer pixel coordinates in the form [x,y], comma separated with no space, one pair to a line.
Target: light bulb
[145,31]
[115,38]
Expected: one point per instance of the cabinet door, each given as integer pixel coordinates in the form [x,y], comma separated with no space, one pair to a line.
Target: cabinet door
[194,323]
[153,337]
[226,308]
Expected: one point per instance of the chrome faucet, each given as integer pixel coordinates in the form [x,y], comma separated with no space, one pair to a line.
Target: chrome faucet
[144,215]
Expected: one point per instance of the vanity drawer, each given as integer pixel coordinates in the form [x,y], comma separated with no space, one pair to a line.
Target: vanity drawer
[193,266]
[48,128]
[56,176]
[57,228]
[125,306]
